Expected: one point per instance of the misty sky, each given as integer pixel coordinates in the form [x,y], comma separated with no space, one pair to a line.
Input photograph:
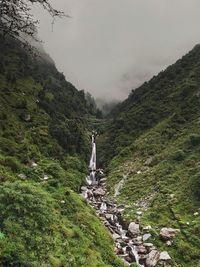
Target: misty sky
[109,47]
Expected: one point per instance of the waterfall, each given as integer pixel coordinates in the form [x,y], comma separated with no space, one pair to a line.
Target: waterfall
[90,179]
[108,211]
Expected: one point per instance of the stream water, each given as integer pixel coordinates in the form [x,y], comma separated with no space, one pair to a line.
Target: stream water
[109,212]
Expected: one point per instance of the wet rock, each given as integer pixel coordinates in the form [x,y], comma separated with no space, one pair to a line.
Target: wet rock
[102,180]
[109,216]
[152,258]
[134,229]
[146,237]
[119,251]
[128,258]
[99,192]
[168,233]
[141,249]
[164,256]
[84,188]
[115,236]
[148,244]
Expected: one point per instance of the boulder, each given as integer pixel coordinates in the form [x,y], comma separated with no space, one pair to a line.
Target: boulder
[141,249]
[147,228]
[148,245]
[116,236]
[84,188]
[168,233]
[152,258]
[164,256]
[146,237]
[134,229]
[99,192]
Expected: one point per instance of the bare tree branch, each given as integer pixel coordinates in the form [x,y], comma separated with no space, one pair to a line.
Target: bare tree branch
[17,21]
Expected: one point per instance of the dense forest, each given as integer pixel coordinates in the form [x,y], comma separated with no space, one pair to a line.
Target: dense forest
[44,148]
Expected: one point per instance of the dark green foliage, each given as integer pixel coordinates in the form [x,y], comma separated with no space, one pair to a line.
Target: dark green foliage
[153,140]
[178,155]
[174,91]
[196,185]
[43,146]
[195,139]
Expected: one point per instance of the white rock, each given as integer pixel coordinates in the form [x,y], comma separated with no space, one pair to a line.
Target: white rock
[168,233]
[138,172]
[33,164]
[84,188]
[139,213]
[62,201]
[146,237]
[99,192]
[134,228]
[164,256]
[196,214]
[152,258]
[116,236]
[148,244]
[46,177]
[147,228]
[169,243]
[22,176]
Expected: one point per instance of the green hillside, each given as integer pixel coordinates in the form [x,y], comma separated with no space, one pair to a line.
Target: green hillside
[152,145]
[44,147]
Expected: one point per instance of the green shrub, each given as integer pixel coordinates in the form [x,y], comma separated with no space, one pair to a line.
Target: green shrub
[178,155]
[195,139]
[196,185]
[12,163]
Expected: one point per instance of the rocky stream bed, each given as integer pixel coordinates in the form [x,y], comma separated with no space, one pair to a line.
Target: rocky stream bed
[131,239]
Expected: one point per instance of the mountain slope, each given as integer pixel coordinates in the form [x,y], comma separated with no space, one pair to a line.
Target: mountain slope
[43,148]
[152,145]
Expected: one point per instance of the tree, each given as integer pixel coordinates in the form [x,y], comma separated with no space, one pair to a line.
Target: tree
[17,21]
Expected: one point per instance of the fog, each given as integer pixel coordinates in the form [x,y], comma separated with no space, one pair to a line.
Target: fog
[109,47]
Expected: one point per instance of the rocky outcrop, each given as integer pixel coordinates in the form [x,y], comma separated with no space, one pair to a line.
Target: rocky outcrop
[152,258]
[130,239]
[168,233]
[134,229]
[164,256]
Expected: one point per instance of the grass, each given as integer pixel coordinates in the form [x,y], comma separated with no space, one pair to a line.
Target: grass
[170,180]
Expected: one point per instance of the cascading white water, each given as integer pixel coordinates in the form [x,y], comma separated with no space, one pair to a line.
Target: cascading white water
[113,221]
[90,179]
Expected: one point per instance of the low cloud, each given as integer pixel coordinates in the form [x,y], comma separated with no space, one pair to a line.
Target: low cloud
[111,47]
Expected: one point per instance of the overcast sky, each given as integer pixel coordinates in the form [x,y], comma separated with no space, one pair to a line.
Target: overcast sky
[109,47]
